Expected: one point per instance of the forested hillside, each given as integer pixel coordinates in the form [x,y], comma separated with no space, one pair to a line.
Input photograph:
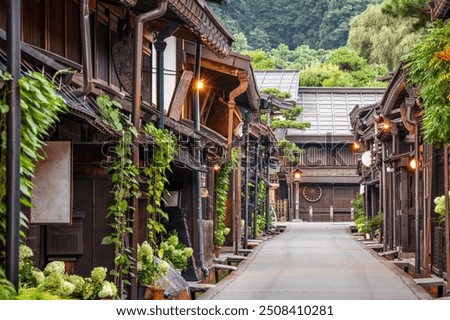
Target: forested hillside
[320,24]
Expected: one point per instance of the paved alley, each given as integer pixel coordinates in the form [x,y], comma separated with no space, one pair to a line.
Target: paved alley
[315,261]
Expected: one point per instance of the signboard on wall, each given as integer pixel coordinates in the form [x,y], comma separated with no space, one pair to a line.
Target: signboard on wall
[52,201]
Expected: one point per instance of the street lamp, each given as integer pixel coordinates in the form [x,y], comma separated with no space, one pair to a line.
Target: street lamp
[297,177]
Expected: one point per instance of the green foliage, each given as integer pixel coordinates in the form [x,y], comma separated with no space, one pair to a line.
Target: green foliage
[175,252]
[222,187]
[156,173]
[335,24]
[382,39]
[376,222]
[40,109]
[125,185]
[53,282]
[289,150]
[428,67]
[277,93]
[408,8]
[318,24]
[297,59]
[7,290]
[347,60]
[240,42]
[36,294]
[150,269]
[361,221]
[343,68]
[260,201]
[440,209]
[260,59]
[260,224]
[358,206]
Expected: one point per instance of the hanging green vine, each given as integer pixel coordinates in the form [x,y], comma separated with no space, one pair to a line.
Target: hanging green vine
[40,109]
[125,185]
[222,187]
[156,173]
[428,67]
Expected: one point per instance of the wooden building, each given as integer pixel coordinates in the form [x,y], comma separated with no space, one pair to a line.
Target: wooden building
[178,43]
[402,174]
[387,135]
[329,180]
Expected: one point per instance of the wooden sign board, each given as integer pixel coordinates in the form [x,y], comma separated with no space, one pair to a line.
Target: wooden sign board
[52,201]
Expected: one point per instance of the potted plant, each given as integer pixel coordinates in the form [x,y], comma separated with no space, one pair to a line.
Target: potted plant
[175,252]
[150,270]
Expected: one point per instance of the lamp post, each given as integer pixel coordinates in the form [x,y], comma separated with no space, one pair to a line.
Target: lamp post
[297,177]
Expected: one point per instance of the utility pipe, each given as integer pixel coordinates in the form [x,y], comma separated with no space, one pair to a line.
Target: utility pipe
[246,179]
[255,205]
[269,101]
[159,11]
[86,50]
[243,85]
[410,102]
[198,154]
[160,47]
[268,189]
[393,177]
[13,143]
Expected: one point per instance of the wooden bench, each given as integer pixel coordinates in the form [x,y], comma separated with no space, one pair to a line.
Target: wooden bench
[432,282]
[392,253]
[195,287]
[245,252]
[235,259]
[402,264]
[375,246]
[252,245]
[219,267]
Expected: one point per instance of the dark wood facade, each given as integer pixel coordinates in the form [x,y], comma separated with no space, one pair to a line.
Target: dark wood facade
[389,133]
[52,40]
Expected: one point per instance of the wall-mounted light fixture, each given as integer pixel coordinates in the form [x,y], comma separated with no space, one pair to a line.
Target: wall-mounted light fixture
[199,85]
[413,164]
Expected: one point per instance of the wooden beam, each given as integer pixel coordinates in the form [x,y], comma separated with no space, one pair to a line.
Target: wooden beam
[177,103]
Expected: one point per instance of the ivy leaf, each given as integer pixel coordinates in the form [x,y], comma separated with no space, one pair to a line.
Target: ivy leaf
[4,108]
[108,240]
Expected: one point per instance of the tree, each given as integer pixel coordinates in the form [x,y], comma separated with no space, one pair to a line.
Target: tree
[335,23]
[286,119]
[428,68]
[240,42]
[259,39]
[343,68]
[300,58]
[260,59]
[318,24]
[381,38]
[408,8]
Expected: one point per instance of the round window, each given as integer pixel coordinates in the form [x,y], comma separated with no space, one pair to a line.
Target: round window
[312,192]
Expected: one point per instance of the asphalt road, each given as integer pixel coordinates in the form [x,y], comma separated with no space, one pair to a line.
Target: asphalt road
[315,261]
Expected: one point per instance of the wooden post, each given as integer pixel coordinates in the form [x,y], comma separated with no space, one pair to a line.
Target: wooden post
[331,214]
[311,214]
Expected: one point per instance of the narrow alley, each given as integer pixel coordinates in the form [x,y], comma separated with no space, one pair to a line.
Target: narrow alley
[316,261]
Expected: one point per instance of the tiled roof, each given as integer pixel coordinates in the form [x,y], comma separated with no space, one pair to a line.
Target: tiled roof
[327,109]
[284,80]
